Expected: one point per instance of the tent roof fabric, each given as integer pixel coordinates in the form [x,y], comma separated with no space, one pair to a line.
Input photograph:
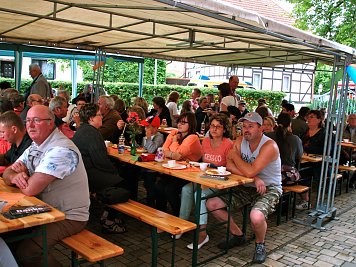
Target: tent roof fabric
[203,31]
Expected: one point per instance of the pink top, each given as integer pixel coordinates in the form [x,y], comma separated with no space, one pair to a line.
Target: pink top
[218,155]
[190,148]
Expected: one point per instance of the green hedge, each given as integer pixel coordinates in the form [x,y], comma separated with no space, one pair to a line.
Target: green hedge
[127,91]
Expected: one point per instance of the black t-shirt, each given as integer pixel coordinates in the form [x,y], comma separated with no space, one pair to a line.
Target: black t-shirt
[15,152]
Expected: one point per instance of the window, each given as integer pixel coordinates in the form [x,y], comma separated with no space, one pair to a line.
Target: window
[257,80]
[48,68]
[286,83]
[7,69]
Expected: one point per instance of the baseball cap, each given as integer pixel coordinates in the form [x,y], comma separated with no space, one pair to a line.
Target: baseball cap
[151,120]
[252,117]
[242,102]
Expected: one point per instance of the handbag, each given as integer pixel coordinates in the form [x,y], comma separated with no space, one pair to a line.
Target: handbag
[290,175]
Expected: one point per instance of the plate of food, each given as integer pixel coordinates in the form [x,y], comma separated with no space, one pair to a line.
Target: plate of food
[215,172]
[138,149]
[175,167]
[194,163]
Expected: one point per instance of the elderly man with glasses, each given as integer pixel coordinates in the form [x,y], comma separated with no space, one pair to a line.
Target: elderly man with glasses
[51,169]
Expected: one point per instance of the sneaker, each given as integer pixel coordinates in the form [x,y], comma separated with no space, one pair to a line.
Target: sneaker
[260,253]
[206,240]
[234,240]
[113,227]
[302,205]
[176,236]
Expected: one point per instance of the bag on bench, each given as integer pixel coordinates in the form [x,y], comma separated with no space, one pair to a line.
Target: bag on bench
[113,195]
[290,175]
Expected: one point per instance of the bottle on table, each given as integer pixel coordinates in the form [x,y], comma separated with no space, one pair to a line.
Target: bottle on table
[121,146]
[164,123]
[202,128]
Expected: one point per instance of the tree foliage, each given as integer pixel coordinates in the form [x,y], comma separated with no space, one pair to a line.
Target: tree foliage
[332,19]
[127,71]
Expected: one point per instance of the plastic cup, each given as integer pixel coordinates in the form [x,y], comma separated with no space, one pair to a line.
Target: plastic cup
[222,170]
[346,140]
[107,143]
[203,166]
[171,163]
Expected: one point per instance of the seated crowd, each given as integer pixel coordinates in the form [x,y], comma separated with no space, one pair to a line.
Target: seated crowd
[58,153]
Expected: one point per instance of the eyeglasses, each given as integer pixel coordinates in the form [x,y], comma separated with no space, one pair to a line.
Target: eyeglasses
[39,101]
[216,127]
[182,122]
[36,120]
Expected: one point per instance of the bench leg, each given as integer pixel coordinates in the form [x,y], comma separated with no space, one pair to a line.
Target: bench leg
[173,250]
[154,237]
[294,203]
[244,219]
[74,259]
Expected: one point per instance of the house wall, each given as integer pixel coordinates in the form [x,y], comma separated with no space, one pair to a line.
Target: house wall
[60,75]
[297,81]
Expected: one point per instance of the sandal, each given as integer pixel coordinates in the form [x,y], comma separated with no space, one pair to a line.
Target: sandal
[110,227]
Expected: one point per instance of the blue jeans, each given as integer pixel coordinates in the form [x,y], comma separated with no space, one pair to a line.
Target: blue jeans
[187,196]
[6,257]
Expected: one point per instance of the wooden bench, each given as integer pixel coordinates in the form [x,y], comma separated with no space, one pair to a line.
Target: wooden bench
[296,189]
[90,247]
[347,169]
[157,220]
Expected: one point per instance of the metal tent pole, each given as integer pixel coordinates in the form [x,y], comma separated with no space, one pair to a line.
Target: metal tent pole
[324,208]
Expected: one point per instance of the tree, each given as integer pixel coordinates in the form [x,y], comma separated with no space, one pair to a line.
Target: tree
[127,71]
[332,19]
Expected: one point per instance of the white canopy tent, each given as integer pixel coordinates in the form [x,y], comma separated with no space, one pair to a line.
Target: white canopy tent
[203,31]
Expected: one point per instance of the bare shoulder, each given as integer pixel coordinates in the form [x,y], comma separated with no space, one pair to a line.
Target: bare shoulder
[270,147]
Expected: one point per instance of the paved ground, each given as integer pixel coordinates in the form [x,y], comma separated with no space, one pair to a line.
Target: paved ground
[289,244]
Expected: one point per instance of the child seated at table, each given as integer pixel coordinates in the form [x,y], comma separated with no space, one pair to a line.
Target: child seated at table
[151,142]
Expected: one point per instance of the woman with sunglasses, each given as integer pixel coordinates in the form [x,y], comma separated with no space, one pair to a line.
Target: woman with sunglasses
[215,149]
[183,144]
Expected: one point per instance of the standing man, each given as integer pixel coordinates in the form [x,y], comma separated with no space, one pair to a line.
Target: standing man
[234,83]
[195,97]
[14,132]
[51,169]
[257,156]
[39,84]
[299,124]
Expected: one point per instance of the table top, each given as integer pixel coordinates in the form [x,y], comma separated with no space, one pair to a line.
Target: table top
[7,225]
[311,158]
[348,144]
[192,176]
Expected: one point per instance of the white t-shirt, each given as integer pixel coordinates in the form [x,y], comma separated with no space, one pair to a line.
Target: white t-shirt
[229,101]
[173,110]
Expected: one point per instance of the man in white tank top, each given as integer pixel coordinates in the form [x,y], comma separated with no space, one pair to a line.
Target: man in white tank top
[257,156]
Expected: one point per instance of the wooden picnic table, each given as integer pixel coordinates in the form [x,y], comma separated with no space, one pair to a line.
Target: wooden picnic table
[41,219]
[191,174]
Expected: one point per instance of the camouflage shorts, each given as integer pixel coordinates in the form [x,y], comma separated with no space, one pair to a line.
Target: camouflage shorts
[243,195]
